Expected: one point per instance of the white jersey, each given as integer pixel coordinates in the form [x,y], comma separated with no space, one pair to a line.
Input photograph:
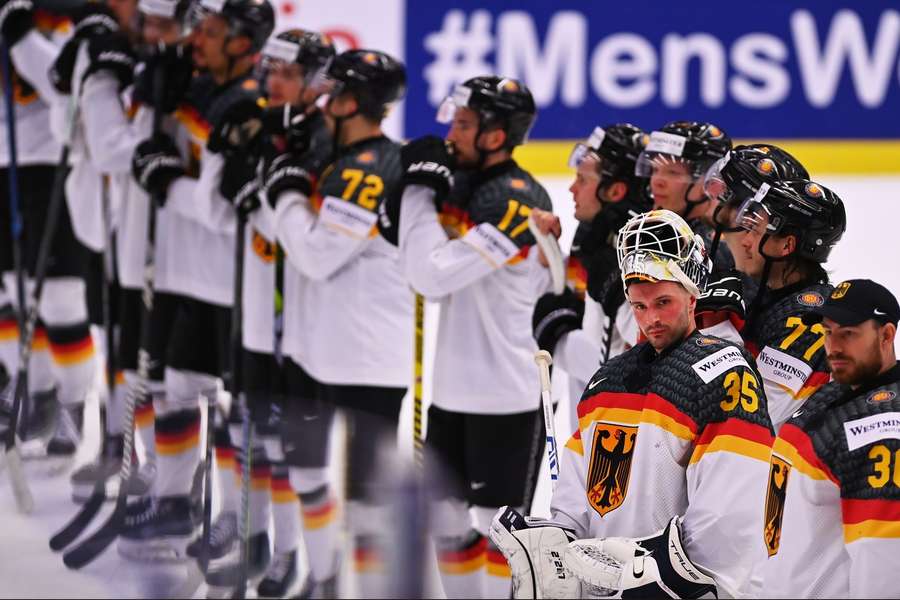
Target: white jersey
[351,319]
[832,526]
[486,282]
[662,435]
[36,142]
[259,284]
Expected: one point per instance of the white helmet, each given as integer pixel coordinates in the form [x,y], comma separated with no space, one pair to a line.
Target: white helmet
[659,246]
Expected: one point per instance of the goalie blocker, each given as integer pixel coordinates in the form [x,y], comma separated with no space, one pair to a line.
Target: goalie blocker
[547,562]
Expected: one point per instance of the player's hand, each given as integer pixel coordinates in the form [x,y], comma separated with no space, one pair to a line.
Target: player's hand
[16,19]
[723,300]
[554,316]
[286,173]
[293,123]
[156,164]
[90,20]
[238,128]
[427,161]
[547,222]
[113,54]
[175,62]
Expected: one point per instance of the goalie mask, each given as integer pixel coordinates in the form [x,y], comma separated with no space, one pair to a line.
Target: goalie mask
[660,246]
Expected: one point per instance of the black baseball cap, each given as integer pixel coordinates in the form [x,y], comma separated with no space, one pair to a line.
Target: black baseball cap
[854,301]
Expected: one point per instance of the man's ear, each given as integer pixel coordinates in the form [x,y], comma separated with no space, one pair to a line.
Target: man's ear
[789,245]
[238,46]
[616,191]
[492,140]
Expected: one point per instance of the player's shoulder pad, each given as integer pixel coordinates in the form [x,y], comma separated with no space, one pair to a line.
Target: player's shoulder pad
[610,377]
[241,90]
[505,201]
[857,436]
[379,156]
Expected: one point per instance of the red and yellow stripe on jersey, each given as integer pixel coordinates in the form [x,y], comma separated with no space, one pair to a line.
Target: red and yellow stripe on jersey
[281,489]
[576,275]
[634,409]
[496,563]
[736,436]
[194,123]
[177,437]
[457,223]
[367,558]
[795,446]
[72,353]
[144,415]
[873,518]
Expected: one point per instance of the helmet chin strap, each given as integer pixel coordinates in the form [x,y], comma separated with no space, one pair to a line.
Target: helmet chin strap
[690,205]
[768,262]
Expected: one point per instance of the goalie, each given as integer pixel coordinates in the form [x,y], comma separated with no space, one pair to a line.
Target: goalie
[673,438]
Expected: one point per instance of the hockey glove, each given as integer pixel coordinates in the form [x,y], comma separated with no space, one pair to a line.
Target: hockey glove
[286,174]
[651,567]
[175,61]
[155,165]
[723,300]
[294,123]
[236,128]
[113,54]
[240,183]
[554,316]
[16,19]
[427,161]
[534,549]
[92,19]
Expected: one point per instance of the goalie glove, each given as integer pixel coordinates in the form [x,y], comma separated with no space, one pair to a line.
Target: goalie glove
[534,550]
[656,566]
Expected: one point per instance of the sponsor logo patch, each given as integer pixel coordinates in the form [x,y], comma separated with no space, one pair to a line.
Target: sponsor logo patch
[861,432]
[491,243]
[719,362]
[811,299]
[707,341]
[881,396]
[779,469]
[610,468]
[367,157]
[347,218]
[783,369]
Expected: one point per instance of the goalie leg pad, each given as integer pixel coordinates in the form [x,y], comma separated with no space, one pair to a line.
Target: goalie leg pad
[534,549]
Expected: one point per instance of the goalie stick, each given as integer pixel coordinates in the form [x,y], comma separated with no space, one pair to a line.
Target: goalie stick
[544,360]
[93,546]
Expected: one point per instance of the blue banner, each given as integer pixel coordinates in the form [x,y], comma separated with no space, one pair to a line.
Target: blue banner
[765,69]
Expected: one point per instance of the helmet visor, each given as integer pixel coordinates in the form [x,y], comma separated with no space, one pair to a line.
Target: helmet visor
[666,166]
[459,98]
[752,215]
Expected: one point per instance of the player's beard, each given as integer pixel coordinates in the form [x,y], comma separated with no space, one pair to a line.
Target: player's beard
[857,371]
[675,332]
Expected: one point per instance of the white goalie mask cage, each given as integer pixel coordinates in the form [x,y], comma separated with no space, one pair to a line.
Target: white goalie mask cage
[660,246]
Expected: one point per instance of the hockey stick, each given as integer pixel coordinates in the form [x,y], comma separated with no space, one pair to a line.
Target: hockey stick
[237,315]
[92,547]
[95,501]
[418,438]
[550,247]
[544,360]
[9,448]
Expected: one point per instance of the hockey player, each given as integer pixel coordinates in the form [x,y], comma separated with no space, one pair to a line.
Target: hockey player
[674,436]
[115,118]
[62,376]
[349,335]
[486,276]
[834,489]
[676,160]
[789,232]
[193,341]
[733,180]
[584,331]
[292,61]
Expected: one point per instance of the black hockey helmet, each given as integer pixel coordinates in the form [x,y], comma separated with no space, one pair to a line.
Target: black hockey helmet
[616,146]
[500,102]
[312,50]
[698,145]
[254,19]
[799,207]
[739,174]
[374,78]
[167,9]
